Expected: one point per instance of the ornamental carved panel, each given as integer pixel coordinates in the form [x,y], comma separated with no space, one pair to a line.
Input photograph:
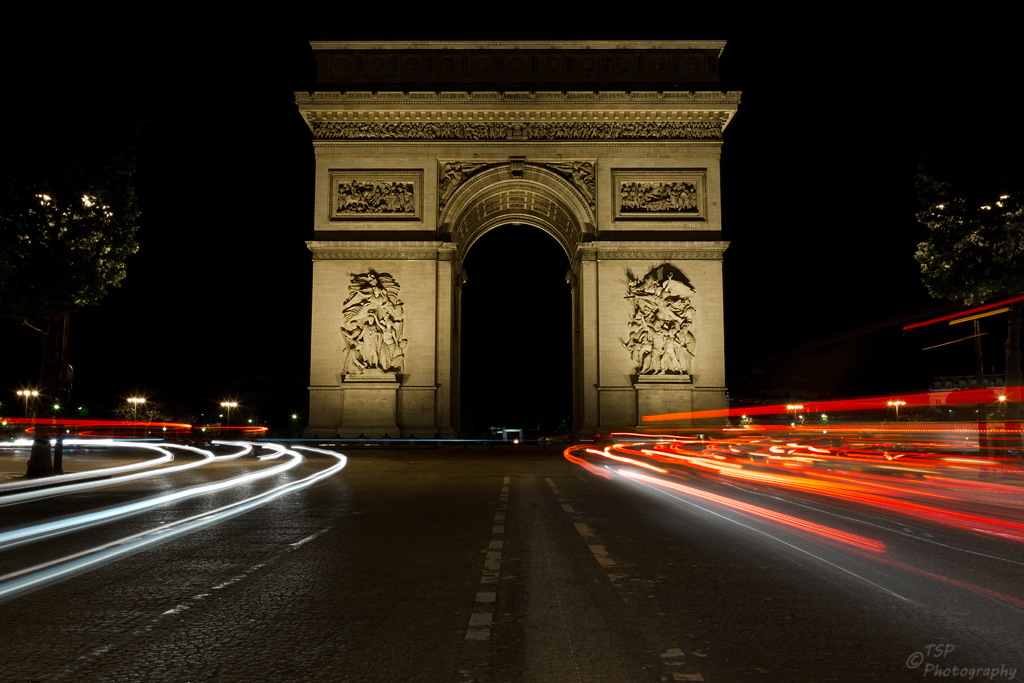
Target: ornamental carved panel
[661,340]
[581,175]
[374,329]
[653,194]
[373,195]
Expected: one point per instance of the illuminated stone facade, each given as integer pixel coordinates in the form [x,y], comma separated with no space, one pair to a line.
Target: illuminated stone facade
[421,148]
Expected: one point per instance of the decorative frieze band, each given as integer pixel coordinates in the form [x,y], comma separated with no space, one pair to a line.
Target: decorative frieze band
[516,130]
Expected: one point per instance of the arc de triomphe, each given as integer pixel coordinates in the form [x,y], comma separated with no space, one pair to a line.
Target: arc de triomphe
[612,148]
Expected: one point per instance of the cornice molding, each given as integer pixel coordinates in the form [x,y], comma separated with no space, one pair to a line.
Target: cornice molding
[459,144]
[514,97]
[518,45]
[677,251]
[399,251]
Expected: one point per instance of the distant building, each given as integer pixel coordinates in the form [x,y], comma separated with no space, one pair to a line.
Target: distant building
[941,386]
[512,435]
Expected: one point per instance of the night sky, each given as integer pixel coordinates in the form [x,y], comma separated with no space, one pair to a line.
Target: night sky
[817,182]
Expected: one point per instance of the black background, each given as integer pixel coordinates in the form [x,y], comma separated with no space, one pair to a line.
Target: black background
[817,192]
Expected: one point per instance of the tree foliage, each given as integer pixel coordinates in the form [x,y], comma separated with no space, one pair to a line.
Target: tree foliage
[150,411]
[975,253]
[975,247]
[65,236]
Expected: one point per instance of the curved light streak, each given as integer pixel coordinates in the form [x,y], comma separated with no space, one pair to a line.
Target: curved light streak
[65,525]
[777,539]
[89,474]
[631,461]
[923,485]
[66,567]
[763,513]
[60,489]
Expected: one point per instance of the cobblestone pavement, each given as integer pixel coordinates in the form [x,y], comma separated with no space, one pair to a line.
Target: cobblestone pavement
[460,566]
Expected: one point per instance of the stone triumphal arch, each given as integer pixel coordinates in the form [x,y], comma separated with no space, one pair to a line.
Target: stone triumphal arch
[611,148]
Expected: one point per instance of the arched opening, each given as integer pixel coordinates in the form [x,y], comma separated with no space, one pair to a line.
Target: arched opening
[516,334]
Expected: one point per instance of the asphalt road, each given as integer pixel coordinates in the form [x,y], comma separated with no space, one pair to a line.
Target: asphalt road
[508,565]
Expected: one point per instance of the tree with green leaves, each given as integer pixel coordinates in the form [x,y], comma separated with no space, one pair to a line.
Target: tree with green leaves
[975,252]
[66,232]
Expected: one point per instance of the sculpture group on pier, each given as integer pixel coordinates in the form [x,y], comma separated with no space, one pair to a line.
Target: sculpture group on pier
[374,323]
[661,340]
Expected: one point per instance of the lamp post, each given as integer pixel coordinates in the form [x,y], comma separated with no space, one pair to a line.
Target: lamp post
[897,405]
[794,407]
[135,410]
[135,406]
[27,393]
[228,405]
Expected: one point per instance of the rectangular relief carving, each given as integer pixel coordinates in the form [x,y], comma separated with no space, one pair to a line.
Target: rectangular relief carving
[375,195]
[660,194]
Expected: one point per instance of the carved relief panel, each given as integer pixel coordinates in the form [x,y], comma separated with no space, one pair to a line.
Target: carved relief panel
[661,339]
[376,195]
[373,333]
[652,194]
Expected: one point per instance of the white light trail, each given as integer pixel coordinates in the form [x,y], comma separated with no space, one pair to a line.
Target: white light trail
[33,577]
[64,489]
[56,527]
[89,474]
[757,530]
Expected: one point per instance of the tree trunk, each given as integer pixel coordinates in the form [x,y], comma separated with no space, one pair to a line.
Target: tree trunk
[979,378]
[1013,375]
[40,463]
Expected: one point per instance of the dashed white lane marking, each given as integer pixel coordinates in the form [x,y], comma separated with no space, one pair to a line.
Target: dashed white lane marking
[236,579]
[599,551]
[178,609]
[673,656]
[309,538]
[584,530]
[480,619]
[601,555]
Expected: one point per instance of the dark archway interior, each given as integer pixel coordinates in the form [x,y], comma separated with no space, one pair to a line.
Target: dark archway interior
[516,334]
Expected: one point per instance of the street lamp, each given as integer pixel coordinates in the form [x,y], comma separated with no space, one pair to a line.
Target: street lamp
[135,406]
[794,408]
[897,404]
[26,393]
[228,405]
[135,411]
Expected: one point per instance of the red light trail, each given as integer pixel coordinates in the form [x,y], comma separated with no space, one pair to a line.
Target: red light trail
[923,400]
